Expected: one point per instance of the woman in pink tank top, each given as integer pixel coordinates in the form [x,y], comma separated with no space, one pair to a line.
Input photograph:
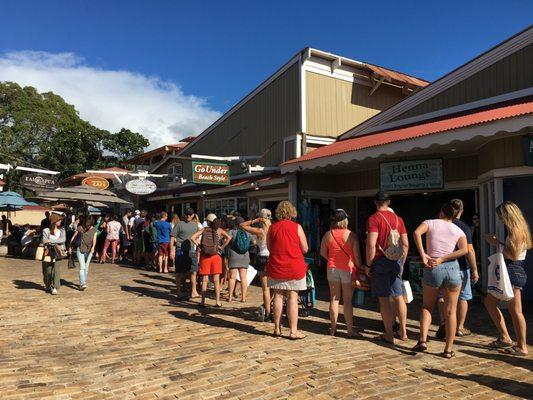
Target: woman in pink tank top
[340,247]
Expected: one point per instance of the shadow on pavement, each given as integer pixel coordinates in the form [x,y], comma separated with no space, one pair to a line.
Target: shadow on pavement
[503,385]
[144,291]
[521,362]
[156,284]
[20,284]
[155,275]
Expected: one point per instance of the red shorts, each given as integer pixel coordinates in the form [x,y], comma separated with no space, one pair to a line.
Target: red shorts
[163,249]
[210,265]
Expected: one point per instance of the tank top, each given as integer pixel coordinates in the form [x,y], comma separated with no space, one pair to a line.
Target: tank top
[263,249]
[340,253]
[286,261]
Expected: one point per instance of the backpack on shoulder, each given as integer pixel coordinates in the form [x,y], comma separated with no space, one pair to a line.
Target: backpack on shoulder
[209,243]
[394,250]
[241,242]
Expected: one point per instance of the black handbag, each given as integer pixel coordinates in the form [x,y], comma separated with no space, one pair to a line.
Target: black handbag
[71,261]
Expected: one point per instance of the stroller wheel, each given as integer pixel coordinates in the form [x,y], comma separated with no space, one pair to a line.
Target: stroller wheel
[261,313]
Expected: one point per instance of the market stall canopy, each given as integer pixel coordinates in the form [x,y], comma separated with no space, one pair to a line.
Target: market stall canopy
[81,193]
[13,200]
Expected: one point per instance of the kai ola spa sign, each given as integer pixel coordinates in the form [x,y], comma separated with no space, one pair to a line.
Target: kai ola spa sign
[411,175]
[210,173]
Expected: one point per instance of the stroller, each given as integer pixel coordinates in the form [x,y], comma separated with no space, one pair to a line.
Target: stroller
[306,300]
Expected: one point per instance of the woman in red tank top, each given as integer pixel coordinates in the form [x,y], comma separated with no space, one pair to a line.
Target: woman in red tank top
[340,247]
[286,266]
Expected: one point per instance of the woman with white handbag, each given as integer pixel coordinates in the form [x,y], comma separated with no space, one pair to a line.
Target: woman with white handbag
[53,239]
[514,251]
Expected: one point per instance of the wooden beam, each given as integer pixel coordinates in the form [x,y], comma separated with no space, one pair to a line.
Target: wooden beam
[376,85]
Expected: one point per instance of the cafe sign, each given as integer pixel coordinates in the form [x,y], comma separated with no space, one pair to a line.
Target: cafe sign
[411,175]
[38,182]
[141,186]
[96,182]
[210,173]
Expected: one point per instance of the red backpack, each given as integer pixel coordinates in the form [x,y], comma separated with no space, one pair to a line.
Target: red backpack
[210,241]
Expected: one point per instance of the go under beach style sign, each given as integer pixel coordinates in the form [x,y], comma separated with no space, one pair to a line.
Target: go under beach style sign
[210,173]
[411,175]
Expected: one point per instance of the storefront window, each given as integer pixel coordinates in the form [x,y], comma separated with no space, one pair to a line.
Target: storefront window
[220,207]
[175,172]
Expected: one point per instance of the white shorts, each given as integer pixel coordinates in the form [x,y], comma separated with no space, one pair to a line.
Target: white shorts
[339,275]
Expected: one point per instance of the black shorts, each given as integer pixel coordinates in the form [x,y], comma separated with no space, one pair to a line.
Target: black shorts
[260,263]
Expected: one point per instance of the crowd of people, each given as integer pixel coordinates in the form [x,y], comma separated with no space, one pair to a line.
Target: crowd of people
[219,251]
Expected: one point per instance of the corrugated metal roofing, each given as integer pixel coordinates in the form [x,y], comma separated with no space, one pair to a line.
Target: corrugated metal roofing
[391,75]
[411,132]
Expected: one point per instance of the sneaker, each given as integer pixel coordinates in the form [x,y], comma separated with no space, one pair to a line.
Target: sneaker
[441,332]
[83,287]
[54,291]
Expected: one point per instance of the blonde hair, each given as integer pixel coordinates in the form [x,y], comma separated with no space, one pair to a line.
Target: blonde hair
[517,226]
[285,210]
[339,224]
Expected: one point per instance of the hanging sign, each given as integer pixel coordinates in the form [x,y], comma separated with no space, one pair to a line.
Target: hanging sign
[96,182]
[210,173]
[411,175]
[38,182]
[528,150]
[141,186]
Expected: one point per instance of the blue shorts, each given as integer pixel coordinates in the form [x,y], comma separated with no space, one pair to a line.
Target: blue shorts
[386,278]
[447,274]
[466,286]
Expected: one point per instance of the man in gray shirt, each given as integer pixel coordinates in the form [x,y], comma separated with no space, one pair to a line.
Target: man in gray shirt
[183,251]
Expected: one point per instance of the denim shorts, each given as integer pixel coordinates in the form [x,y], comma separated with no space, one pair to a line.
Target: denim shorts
[517,274]
[386,278]
[466,285]
[447,274]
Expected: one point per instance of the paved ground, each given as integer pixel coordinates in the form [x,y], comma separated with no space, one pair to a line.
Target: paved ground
[125,338]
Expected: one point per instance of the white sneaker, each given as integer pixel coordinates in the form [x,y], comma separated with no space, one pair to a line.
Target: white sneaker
[54,291]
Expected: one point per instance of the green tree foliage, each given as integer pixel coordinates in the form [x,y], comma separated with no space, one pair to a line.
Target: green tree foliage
[42,129]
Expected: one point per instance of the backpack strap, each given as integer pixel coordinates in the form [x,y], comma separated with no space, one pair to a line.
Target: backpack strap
[341,246]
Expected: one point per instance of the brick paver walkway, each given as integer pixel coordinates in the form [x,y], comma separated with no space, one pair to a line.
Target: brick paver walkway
[124,338]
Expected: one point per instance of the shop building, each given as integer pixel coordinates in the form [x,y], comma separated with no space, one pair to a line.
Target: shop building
[468,135]
[304,105]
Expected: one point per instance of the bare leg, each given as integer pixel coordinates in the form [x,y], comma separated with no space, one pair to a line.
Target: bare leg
[244,283]
[462,310]
[216,281]
[278,308]
[387,316]
[451,295]
[194,290]
[205,279]
[440,307]
[429,298]
[232,282]
[347,294]
[400,310]
[491,304]
[160,262]
[519,322]
[266,294]
[165,264]
[335,294]
[292,313]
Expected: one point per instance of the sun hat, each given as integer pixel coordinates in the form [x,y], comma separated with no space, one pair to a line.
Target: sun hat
[265,213]
[54,218]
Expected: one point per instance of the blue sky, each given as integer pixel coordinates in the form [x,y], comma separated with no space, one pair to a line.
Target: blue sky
[217,51]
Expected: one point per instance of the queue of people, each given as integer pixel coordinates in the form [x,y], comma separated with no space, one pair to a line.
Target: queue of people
[222,249]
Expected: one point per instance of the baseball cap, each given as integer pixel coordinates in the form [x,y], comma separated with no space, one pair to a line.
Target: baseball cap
[339,215]
[265,213]
[137,212]
[210,217]
[189,211]
[382,196]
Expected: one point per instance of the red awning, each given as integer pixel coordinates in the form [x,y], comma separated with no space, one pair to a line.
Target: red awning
[411,132]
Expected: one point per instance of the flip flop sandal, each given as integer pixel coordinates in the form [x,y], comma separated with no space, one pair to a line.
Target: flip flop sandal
[382,339]
[448,354]
[276,334]
[463,333]
[499,344]
[514,351]
[403,339]
[296,337]
[355,335]
[420,347]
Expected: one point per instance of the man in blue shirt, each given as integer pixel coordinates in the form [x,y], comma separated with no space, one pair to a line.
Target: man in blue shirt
[163,229]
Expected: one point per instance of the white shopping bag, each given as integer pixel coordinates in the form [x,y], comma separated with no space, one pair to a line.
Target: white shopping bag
[407,291]
[251,272]
[499,284]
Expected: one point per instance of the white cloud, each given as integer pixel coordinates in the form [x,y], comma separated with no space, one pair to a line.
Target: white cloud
[112,99]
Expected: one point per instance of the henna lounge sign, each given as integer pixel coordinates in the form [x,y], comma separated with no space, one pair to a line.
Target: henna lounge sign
[411,175]
[210,173]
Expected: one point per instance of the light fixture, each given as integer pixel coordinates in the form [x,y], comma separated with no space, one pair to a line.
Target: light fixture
[454,149]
